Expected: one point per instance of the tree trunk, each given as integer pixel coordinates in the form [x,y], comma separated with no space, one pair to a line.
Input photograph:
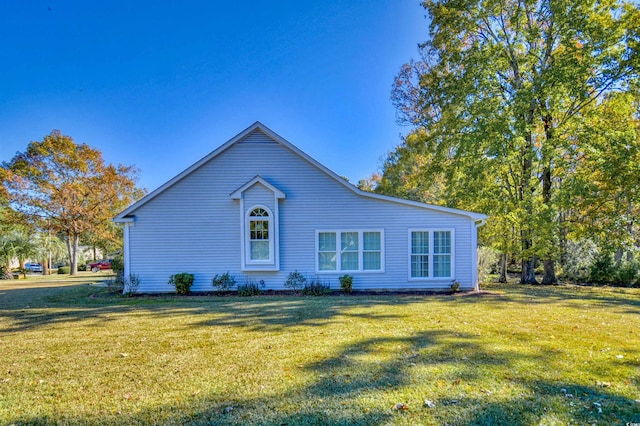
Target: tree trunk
[528,275]
[549,277]
[503,268]
[45,266]
[72,249]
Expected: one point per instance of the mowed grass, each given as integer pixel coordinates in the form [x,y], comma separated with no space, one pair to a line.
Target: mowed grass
[70,353]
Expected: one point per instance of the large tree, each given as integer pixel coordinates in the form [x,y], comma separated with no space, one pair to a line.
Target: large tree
[66,189]
[499,85]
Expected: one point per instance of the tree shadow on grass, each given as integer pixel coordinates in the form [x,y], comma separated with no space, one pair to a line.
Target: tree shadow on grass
[23,309]
[363,381]
[563,295]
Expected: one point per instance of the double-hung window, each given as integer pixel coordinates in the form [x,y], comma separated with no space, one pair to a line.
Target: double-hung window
[260,241]
[350,251]
[430,253]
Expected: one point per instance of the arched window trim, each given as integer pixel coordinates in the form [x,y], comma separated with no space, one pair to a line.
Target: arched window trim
[271,230]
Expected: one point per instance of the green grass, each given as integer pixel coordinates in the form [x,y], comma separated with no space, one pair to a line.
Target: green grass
[70,353]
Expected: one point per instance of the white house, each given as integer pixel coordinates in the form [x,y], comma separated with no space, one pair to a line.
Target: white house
[260,208]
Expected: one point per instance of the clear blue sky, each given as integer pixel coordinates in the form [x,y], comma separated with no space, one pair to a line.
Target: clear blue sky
[160,84]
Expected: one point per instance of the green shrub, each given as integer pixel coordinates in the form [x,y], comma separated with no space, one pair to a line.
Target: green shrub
[346,283]
[116,285]
[182,282]
[601,270]
[455,286]
[131,285]
[250,288]
[64,270]
[316,288]
[117,264]
[487,262]
[606,270]
[224,282]
[295,281]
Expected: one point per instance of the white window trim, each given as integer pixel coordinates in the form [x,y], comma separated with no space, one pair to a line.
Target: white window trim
[338,233]
[273,264]
[431,254]
[247,245]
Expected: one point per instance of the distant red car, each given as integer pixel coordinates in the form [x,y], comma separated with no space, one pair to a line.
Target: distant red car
[100,265]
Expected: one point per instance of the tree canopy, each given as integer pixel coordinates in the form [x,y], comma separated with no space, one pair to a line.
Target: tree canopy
[511,103]
[66,189]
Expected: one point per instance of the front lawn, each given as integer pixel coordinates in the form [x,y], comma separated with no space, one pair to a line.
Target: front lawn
[70,353]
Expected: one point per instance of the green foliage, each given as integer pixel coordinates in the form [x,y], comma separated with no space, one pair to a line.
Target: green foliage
[5,273]
[249,288]
[606,270]
[131,285]
[117,264]
[455,286]
[224,282]
[182,282]
[317,287]
[116,284]
[346,283]
[487,262]
[295,281]
[525,112]
[64,270]
[67,189]
[579,258]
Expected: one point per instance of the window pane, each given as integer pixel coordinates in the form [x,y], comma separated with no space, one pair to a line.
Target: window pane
[442,265]
[419,266]
[371,241]
[349,261]
[371,261]
[442,242]
[420,242]
[259,250]
[258,212]
[327,241]
[327,261]
[349,241]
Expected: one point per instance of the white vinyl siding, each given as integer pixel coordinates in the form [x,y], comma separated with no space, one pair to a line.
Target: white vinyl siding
[431,254]
[349,251]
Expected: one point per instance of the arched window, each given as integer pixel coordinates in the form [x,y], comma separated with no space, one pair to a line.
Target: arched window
[260,240]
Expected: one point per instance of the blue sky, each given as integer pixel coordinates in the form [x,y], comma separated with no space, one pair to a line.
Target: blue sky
[160,84]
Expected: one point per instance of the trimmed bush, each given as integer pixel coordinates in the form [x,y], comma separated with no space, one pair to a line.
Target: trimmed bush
[182,282]
[223,282]
[64,270]
[295,281]
[250,288]
[316,288]
[346,283]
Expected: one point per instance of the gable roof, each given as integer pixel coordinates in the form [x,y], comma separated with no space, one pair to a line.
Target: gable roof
[125,216]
